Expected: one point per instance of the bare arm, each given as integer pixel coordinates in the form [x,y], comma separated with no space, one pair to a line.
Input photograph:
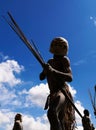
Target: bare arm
[48,69]
[66,76]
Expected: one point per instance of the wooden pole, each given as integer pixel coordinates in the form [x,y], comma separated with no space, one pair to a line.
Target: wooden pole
[36,53]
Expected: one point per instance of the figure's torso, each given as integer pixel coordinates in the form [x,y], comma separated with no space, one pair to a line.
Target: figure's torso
[55,82]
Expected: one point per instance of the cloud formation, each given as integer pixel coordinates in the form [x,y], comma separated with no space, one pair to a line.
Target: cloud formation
[8,70]
[12,99]
[93,19]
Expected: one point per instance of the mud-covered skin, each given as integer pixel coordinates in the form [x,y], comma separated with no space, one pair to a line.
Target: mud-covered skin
[57,72]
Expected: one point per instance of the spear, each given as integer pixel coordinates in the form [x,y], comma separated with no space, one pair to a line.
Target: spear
[34,50]
[21,35]
[95,95]
[93,100]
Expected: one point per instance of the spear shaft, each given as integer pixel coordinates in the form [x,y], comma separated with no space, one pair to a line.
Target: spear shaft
[21,35]
[34,51]
[93,101]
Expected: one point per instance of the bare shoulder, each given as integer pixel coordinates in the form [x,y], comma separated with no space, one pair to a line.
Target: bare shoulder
[50,60]
[66,61]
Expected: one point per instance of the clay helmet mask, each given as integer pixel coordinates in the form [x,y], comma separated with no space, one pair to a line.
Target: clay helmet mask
[59,46]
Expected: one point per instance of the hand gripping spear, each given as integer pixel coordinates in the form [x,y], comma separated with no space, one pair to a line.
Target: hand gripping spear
[34,51]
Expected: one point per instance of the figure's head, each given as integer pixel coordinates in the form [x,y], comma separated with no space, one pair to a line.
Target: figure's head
[18,116]
[86,112]
[59,46]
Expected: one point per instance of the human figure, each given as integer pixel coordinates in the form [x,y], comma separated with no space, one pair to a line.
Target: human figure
[93,128]
[58,73]
[86,122]
[18,122]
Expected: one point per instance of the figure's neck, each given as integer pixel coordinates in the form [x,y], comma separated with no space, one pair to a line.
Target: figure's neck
[58,56]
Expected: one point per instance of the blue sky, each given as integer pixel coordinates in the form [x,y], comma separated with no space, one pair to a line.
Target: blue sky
[20,87]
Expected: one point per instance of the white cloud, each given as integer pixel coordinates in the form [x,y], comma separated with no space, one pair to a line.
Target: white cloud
[37,95]
[9,98]
[6,96]
[40,123]
[93,19]
[35,123]
[6,119]
[80,108]
[8,70]
[80,62]
[8,79]
[72,90]
[29,122]
[79,128]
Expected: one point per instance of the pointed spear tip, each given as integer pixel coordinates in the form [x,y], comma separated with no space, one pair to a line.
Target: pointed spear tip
[95,87]
[8,12]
